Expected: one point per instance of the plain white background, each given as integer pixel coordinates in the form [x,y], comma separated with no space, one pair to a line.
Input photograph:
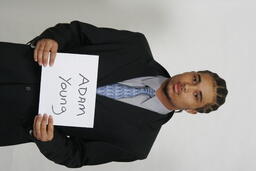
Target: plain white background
[184,35]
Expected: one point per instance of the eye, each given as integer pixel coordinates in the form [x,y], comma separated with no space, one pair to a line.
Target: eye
[196,95]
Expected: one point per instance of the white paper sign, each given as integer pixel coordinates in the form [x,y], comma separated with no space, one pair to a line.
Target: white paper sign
[68,90]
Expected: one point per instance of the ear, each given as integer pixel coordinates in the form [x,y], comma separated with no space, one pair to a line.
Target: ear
[191,111]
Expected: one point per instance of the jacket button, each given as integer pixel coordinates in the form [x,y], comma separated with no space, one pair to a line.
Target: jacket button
[27,88]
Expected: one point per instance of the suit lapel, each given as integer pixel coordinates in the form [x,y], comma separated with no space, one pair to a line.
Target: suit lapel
[135,69]
[133,113]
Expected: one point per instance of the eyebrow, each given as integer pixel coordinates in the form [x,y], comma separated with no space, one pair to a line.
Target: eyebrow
[201,97]
[200,93]
[199,78]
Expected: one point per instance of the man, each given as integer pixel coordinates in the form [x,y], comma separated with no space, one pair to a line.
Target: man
[126,122]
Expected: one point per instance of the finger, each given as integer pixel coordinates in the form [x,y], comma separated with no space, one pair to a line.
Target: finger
[38,126]
[40,53]
[46,52]
[43,127]
[38,44]
[53,55]
[50,128]
[34,126]
[35,53]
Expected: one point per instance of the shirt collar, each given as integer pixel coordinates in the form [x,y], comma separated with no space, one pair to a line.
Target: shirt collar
[154,102]
[154,82]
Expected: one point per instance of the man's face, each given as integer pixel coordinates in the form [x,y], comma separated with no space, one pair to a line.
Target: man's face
[190,90]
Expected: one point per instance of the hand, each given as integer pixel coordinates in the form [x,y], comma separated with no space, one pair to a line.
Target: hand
[41,131]
[42,50]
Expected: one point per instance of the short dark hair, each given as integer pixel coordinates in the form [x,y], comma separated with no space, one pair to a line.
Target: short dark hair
[221,93]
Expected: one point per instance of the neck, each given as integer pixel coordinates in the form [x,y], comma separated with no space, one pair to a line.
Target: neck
[162,97]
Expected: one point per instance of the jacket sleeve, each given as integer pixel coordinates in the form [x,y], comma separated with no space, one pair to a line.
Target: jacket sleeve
[74,152]
[77,34]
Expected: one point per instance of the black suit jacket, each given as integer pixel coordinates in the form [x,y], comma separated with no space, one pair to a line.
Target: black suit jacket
[122,132]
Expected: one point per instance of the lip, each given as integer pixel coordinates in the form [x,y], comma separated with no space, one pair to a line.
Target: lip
[177,88]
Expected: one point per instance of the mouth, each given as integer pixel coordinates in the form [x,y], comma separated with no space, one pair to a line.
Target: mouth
[177,88]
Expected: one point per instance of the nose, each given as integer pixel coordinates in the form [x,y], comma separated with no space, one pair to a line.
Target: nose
[188,87]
